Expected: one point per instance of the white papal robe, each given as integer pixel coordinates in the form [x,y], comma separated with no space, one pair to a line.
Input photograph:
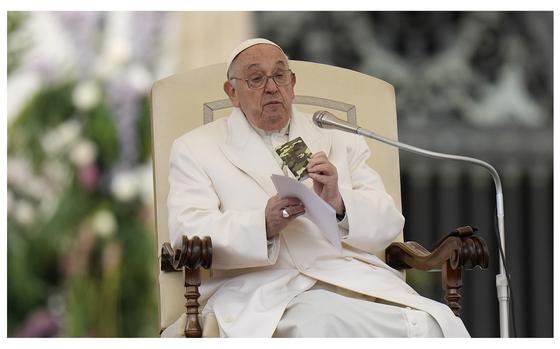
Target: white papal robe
[219,186]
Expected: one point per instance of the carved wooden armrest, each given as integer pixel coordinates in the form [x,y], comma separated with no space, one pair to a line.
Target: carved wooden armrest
[193,254]
[455,251]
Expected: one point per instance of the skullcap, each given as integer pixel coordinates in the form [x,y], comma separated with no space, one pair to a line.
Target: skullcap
[245,45]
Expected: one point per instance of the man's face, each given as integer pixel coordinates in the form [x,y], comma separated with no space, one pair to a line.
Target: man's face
[270,107]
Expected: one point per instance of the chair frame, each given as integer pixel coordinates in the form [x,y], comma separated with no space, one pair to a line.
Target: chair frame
[458,250]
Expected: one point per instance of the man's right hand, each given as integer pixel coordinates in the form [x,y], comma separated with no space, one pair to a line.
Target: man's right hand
[275,221]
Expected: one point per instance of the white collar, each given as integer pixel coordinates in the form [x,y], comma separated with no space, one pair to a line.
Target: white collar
[282,132]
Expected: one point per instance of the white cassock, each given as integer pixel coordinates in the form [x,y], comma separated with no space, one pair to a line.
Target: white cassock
[219,187]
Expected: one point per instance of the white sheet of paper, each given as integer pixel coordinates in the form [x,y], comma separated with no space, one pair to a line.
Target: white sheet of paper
[316,209]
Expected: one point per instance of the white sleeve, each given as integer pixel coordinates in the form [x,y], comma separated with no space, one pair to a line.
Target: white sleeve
[373,219]
[238,237]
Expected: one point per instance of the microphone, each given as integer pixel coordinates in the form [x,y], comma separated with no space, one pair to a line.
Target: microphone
[327,120]
[324,119]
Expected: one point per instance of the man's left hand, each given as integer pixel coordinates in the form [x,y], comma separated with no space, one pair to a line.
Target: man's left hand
[325,180]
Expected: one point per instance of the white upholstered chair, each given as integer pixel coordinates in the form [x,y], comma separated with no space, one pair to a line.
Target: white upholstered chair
[185,101]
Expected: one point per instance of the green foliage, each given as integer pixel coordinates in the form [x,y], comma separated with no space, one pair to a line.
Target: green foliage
[50,107]
[99,127]
[25,290]
[16,46]
[79,252]
[107,281]
[139,269]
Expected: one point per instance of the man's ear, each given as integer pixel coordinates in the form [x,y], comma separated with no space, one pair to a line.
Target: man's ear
[230,90]
[293,84]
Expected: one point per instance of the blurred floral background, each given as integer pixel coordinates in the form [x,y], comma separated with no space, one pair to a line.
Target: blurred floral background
[81,250]
[80,216]
[81,245]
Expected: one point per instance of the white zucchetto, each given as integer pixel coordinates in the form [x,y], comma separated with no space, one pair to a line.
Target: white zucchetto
[245,45]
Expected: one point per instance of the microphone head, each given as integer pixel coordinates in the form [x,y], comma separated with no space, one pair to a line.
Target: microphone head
[318,117]
[324,119]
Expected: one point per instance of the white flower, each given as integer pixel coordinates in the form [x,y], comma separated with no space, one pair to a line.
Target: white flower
[116,53]
[139,78]
[125,186]
[48,206]
[69,131]
[21,177]
[104,223]
[83,153]
[38,188]
[19,171]
[86,95]
[57,139]
[51,143]
[22,85]
[24,212]
[57,173]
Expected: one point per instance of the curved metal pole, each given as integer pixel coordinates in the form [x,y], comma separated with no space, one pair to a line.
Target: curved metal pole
[501,279]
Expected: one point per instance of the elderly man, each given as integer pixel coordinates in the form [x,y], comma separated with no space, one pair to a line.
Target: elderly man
[275,274]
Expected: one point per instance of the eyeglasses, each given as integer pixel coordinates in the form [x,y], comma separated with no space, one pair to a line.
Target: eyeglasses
[259,80]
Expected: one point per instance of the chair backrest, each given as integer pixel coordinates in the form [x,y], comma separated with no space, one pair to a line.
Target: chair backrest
[185,101]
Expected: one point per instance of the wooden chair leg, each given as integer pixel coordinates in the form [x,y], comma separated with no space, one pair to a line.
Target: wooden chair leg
[451,282]
[194,254]
[192,282]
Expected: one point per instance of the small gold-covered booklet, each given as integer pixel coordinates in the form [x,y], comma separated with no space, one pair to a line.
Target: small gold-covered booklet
[295,155]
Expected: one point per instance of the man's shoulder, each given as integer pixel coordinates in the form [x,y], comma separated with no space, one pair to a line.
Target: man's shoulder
[209,133]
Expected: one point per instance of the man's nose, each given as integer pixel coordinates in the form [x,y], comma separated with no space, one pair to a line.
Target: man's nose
[270,85]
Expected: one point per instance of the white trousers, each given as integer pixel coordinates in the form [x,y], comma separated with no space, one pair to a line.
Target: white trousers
[323,312]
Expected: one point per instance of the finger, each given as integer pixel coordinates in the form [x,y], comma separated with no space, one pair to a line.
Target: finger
[274,199]
[317,158]
[326,169]
[295,210]
[323,179]
[282,202]
[319,154]
[294,214]
[290,202]
[298,211]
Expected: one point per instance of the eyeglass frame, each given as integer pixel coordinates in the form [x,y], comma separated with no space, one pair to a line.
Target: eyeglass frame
[266,81]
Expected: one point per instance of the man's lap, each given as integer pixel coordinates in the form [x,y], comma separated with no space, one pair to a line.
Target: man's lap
[322,312]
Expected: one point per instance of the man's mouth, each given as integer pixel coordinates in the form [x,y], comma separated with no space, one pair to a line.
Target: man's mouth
[272,103]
